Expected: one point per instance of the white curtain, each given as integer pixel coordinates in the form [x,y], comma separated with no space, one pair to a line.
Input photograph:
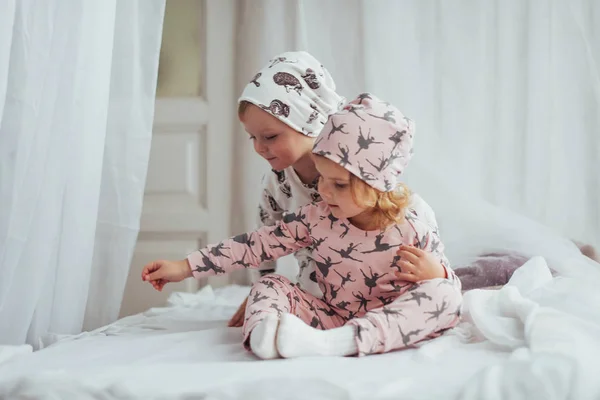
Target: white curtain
[77,84]
[506,94]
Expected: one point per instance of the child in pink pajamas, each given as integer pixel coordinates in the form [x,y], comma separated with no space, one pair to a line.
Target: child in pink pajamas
[283,109]
[354,237]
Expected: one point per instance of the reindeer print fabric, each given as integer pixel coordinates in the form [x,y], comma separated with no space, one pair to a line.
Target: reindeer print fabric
[354,270]
[295,88]
[370,138]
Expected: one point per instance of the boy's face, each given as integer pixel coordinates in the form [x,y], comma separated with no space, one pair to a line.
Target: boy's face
[273,140]
[334,188]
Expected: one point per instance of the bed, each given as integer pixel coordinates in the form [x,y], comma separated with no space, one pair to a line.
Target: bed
[535,338]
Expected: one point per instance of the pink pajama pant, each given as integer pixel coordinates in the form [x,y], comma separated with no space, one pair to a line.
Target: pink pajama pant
[422,312]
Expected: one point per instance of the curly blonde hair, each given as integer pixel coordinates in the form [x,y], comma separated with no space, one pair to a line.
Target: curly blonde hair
[387,207]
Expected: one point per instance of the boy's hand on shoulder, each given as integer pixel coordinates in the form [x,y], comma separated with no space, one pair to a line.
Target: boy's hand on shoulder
[161,272]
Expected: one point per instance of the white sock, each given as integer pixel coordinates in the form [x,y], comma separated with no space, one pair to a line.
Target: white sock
[262,338]
[297,339]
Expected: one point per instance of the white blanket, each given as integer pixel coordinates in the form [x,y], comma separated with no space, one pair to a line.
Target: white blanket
[537,338]
[552,329]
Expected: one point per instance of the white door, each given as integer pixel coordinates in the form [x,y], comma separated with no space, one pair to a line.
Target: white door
[187,198]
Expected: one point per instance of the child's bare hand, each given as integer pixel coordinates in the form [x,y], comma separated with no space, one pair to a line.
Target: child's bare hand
[418,265]
[238,318]
[160,272]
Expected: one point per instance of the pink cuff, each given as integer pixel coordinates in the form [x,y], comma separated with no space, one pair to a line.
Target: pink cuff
[194,259]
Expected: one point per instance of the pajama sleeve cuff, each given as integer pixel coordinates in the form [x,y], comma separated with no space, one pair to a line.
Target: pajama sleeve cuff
[194,259]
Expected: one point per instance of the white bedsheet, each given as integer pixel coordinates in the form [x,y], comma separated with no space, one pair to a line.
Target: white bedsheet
[537,338]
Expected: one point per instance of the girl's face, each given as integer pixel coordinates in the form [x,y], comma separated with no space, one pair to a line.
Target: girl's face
[334,187]
[273,140]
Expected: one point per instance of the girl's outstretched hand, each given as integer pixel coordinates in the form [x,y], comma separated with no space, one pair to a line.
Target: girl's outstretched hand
[160,272]
[418,265]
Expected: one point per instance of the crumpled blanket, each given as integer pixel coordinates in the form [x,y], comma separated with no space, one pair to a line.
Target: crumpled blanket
[495,269]
[489,270]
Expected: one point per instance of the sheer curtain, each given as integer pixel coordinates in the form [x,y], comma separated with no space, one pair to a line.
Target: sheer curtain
[77,83]
[506,94]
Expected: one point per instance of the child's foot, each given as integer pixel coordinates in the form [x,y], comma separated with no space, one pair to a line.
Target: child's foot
[262,338]
[297,339]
